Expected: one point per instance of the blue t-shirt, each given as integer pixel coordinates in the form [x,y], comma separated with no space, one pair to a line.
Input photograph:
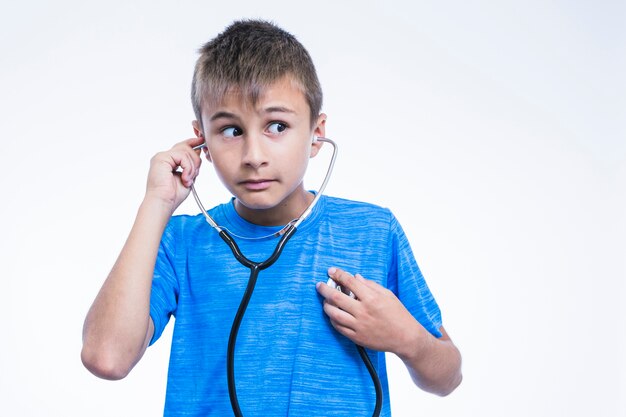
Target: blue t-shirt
[289,360]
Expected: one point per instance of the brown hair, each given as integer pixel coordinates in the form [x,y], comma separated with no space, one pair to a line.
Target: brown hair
[249,55]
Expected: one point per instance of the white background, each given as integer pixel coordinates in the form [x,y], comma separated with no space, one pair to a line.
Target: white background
[494,130]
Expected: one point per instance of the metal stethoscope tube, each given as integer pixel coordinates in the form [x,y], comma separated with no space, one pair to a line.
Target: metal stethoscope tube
[255,267]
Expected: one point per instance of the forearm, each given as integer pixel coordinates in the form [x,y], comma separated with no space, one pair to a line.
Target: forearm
[117,328]
[433,363]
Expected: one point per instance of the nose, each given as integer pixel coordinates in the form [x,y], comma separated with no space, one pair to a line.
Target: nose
[255,151]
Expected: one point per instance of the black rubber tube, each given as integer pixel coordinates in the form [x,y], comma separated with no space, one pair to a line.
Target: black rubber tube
[255,268]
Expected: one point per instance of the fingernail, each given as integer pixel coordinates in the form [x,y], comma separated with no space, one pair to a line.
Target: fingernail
[332,270]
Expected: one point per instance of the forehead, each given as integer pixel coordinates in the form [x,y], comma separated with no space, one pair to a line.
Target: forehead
[284,92]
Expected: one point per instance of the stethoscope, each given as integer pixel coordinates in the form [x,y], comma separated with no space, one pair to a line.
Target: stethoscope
[255,267]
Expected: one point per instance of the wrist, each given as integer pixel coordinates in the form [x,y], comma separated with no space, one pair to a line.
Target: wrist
[415,344]
[157,206]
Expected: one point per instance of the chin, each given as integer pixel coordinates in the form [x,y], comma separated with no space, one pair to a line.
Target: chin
[258,202]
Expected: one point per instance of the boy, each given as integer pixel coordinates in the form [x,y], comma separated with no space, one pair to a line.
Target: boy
[257,102]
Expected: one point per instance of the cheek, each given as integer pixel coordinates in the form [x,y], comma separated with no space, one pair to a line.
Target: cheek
[304,151]
[302,155]
[223,170]
[302,163]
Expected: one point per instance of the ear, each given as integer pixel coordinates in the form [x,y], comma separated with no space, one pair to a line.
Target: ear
[318,131]
[197,130]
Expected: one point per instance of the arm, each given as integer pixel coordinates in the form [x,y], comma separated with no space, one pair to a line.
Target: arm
[433,363]
[376,319]
[118,327]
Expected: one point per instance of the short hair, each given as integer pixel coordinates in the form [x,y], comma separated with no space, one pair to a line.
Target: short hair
[249,55]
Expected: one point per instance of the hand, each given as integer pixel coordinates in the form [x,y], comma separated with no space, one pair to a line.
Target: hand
[376,319]
[173,172]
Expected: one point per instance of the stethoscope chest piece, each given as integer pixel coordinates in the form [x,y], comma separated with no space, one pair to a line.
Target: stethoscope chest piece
[332,284]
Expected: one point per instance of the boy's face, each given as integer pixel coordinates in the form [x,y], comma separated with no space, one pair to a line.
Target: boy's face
[261,151]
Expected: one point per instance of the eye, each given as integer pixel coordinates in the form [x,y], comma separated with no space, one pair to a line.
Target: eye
[276,128]
[231,132]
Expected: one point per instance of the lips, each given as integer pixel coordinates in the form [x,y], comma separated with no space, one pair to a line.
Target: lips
[257,184]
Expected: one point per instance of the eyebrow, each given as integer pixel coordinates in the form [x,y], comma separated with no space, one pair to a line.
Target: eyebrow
[273,109]
[222,115]
[279,109]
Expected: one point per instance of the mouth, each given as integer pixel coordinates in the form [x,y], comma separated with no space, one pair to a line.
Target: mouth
[256,184]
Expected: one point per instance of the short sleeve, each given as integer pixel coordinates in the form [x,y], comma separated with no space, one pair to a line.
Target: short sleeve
[165,289]
[407,282]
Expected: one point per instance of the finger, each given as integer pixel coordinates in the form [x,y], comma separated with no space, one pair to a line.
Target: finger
[184,160]
[331,293]
[193,142]
[189,144]
[337,298]
[367,282]
[197,144]
[346,331]
[174,160]
[189,175]
[346,280]
[339,316]
[196,162]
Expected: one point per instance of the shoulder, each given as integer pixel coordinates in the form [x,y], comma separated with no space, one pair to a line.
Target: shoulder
[183,221]
[181,226]
[356,208]
[360,216]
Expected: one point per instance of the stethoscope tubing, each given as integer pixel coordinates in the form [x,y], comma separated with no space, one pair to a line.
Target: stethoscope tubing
[255,267]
